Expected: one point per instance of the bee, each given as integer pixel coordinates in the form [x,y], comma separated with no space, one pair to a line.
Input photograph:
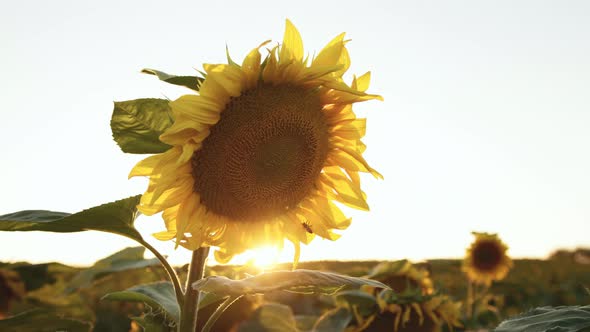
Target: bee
[307,226]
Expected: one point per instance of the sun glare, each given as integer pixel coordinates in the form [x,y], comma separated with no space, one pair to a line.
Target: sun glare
[265,257]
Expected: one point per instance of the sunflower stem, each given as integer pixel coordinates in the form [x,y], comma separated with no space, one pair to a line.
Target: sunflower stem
[469,300]
[171,273]
[188,311]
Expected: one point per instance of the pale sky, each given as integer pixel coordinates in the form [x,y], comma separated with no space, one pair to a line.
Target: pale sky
[484,127]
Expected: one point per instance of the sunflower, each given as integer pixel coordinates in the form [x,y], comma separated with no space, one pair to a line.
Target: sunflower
[415,313]
[402,276]
[262,153]
[486,259]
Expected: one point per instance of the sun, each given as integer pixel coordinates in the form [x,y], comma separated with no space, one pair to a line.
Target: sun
[262,258]
[265,257]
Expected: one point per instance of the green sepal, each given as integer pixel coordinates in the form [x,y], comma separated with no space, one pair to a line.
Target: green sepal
[42,320]
[191,82]
[115,217]
[137,125]
[298,281]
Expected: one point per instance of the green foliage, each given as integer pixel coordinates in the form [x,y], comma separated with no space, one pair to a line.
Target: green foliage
[305,322]
[159,296]
[207,299]
[191,82]
[271,317]
[531,282]
[42,321]
[126,259]
[152,323]
[406,297]
[558,319]
[297,281]
[335,320]
[34,276]
[115,217]
[363,302]
[137,125]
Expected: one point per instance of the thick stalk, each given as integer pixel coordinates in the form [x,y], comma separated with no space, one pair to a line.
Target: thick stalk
[171,273]
[469,300]
[188,311]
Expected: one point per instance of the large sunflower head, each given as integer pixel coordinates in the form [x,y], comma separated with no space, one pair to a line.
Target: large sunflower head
[261,154]
[486,259]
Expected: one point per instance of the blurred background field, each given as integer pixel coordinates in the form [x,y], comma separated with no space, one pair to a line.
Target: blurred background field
[561,279]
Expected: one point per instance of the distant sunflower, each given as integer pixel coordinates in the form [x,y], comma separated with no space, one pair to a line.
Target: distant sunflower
[486,259]
[262,153]
[421,314]
[402,276]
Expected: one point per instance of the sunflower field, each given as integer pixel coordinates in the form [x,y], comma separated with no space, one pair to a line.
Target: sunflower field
[105,297]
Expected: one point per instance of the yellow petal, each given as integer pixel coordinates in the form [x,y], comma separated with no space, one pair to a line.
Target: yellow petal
[315,72]
[351,129]
[269,73]
[197,108]
[331,53]
[292,48]
[361,83]
[229,78]
[347,94]
[183,218]
[151,204]
[345,190]
[352,160]
[182,130]
[145,167]
[331,214]
[317,225]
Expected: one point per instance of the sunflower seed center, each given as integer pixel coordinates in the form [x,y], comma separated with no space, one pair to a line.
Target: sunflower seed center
[264,155]
[487,255]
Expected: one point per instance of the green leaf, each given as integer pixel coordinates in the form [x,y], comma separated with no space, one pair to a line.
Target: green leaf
[271,317]
[557,319]
[298,281]
[333,321]
[40,320]
[137,125]
[159,296]
[126,259]
[207,299]
[116,217]
[191,82]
